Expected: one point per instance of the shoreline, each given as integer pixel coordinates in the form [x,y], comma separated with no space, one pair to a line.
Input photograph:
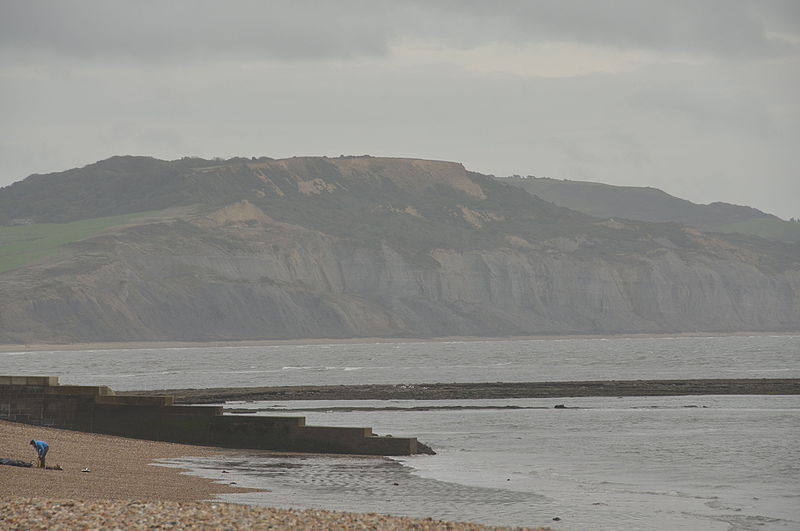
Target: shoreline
[133,345]
[126,489]
[493,390]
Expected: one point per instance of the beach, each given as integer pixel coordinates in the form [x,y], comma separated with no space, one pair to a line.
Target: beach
[598,463]
[124,489]
[120,468]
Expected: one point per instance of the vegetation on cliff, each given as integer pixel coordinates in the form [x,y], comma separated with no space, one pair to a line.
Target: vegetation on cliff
[650,204]
[135,248]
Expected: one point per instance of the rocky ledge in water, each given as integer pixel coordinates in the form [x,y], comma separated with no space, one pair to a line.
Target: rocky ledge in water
[450,391]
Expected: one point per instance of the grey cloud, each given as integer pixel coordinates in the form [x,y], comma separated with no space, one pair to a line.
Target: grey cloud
[198,30]
[733,111]
[720,27]
[147,30]
[783,15]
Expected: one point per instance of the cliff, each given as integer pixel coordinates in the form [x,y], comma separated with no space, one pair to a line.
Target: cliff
[361,247]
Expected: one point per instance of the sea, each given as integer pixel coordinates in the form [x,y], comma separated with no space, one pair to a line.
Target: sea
[710,462]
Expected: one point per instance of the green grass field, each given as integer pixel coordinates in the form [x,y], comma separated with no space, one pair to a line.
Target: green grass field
[21,245]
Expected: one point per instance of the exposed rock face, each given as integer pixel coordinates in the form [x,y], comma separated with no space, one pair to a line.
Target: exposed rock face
[321,287]
[248,270]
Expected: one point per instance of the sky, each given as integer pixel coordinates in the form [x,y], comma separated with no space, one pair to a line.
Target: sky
[700,98]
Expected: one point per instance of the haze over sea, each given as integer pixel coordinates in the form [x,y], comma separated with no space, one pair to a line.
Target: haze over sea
[692,462]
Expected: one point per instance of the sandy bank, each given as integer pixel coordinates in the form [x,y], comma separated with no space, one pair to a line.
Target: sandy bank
[120,467]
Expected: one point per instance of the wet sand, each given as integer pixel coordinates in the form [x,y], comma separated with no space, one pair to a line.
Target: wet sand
[456,391]
[124,490]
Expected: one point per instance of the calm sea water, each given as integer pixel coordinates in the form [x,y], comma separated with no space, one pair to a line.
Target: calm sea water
[704,462]
[418,362]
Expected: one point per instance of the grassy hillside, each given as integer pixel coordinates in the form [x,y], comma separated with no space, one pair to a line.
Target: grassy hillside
[650,204]
[119,185]
[417,205]
[21,245]
[771,229]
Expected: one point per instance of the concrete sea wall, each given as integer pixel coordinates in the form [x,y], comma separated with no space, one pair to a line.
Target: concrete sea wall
[42,401]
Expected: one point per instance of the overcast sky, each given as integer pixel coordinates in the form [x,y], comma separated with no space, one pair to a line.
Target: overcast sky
[698,98]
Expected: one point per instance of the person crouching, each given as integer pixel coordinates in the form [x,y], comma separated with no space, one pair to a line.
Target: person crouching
[41,448]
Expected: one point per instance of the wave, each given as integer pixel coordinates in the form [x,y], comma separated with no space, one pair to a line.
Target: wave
[321,368]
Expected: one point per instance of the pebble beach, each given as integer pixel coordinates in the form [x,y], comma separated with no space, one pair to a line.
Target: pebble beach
[121,488]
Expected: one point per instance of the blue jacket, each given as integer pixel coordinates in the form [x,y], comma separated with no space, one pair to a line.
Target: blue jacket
[41,447]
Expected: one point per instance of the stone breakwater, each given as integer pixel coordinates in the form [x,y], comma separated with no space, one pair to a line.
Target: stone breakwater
[455,391]
[40,400]
[55,515]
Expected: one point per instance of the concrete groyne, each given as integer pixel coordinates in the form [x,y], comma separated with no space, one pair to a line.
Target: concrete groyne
[41,400]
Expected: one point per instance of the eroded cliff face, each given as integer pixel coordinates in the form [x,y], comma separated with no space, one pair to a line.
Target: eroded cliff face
[315,285]
[366,247]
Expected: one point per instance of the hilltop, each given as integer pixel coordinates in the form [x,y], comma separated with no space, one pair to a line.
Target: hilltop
[136,248]
[651,204]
